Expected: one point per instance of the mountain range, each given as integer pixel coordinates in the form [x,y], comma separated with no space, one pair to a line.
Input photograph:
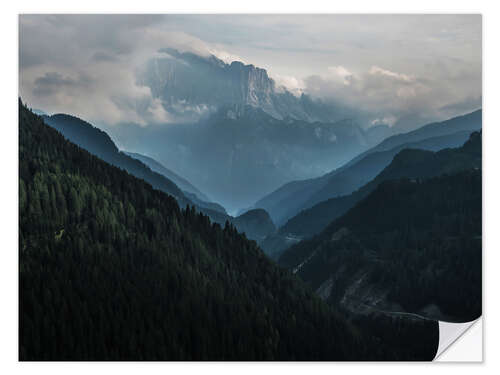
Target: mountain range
[239,152]
[181,182]
[111,268]
[293,197]
[408,163]
[237,135]
[412,246]
[191,85]
[100,144]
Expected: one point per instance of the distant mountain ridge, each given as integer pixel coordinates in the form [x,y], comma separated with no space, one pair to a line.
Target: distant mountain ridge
[257,131]
[258,222]
[408,163]
[158,167]
[240,152]
[291,198]
[188,189]
[191,84]
[467,122]
[100,144]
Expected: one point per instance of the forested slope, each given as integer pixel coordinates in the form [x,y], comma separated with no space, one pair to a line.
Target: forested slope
[412,245]
[110,268]
[98,143]
[293,197]
[411,163]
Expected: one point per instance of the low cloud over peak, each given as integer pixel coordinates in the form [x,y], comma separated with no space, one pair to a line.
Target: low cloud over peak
[384,66]
[400,99]
[397,76]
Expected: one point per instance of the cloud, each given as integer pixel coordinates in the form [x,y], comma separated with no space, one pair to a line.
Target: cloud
[51,82]
[388,120]
[408,67]
[89,67]
[462,106]
[225,56]
[101,56]
[387,73]
[344,75]
[401,99]
[290,83]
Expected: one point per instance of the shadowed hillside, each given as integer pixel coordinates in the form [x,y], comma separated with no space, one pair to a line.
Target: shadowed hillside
[410,163]
[411,246]
[110,268]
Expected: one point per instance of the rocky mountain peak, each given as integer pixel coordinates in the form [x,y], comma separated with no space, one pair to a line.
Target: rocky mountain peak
[186,82]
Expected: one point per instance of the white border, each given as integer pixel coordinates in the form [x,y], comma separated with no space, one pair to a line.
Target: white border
[8,149]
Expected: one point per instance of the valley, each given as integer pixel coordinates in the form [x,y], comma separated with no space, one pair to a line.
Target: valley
[148,280]
[247,187]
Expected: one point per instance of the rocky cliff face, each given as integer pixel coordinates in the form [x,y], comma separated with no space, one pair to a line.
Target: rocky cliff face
[252,85]
[243,136]
[190,85]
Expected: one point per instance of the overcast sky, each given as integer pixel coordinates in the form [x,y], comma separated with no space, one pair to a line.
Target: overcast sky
[397,67]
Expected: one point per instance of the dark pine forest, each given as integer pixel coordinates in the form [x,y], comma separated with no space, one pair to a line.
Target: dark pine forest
[112,269]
